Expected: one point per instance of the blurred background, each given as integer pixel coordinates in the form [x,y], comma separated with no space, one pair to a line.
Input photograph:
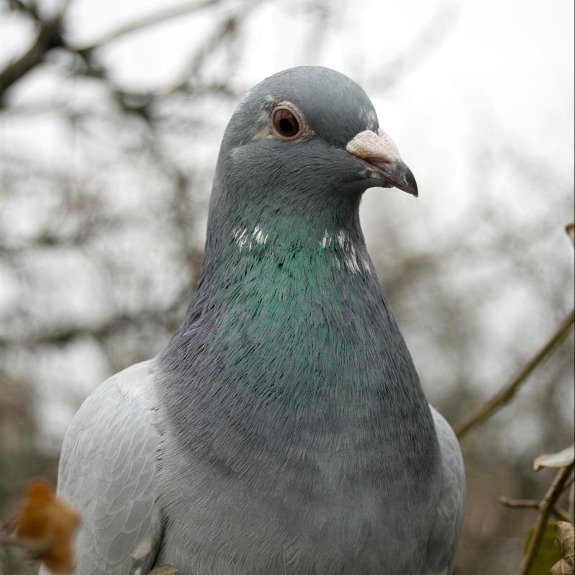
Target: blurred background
[112,114]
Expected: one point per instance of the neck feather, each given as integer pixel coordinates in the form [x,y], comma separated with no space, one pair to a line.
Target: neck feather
[289,345]
[291,316]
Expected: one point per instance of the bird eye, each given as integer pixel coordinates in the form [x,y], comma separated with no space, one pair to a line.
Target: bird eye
[285,123]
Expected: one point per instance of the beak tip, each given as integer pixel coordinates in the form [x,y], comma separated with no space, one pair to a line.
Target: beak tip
[411,183]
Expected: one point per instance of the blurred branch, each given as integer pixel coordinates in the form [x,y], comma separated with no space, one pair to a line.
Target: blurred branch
[487,409]
[532,504]
[29,8]
[147,21]
[430,38]
[49,37]
[546,507]
[63,335]
[519,503]
[226,28]
[31,547]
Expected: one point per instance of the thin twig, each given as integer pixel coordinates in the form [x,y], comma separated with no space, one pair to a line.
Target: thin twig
[547,504]
[227,27]
[423,45]
[520,503]
[30,546]
[487,409]
[147,21]
[50,36]
[532,504]
[562,513]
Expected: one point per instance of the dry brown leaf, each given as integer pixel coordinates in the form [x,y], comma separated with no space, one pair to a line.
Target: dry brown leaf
[561,568]
[45,520]
[564,541]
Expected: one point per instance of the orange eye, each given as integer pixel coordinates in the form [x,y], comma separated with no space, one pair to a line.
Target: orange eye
[285,123]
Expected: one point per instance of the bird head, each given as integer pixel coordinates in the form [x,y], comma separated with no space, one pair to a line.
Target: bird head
[310,131]
[298,153]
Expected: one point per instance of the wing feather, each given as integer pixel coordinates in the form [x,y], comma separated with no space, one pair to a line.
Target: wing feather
[108,471]
[447,528]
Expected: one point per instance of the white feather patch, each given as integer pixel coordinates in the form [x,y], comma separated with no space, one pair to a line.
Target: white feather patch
[247,238]
[346,253]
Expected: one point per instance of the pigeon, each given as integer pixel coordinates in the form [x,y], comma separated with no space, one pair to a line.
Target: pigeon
[283,430]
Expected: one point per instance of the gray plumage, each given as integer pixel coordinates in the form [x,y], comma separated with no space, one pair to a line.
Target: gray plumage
[283,430]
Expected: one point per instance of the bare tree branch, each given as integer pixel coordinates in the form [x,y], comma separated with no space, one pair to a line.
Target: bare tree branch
[227,27]
[64,335]
[546,506]
[49,37]
[146,22]
[502,397]
[431,37]
[532,504]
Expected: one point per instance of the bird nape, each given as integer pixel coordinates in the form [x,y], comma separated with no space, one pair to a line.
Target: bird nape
[283,429]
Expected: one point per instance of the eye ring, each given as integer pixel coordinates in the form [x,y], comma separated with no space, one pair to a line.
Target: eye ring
[287,123]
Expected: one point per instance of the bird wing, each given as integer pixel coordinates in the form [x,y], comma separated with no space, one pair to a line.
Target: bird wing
[447,527]
[108,471]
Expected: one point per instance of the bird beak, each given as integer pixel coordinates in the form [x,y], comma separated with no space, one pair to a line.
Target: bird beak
[379,153]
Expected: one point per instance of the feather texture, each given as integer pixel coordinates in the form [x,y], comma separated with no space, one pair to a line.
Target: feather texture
[283,429]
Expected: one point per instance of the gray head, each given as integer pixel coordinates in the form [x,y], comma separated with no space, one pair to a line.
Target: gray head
[303,145]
